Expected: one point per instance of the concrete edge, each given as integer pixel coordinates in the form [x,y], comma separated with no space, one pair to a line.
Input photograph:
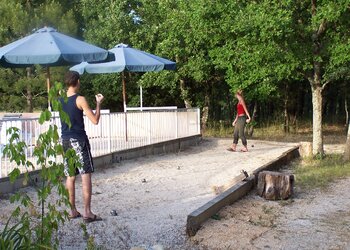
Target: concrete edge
[166,147]
[6,186]
[237,191]
[105,161]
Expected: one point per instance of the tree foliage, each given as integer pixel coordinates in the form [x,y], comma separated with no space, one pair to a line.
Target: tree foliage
[25,89]
[268,48]
[39,221]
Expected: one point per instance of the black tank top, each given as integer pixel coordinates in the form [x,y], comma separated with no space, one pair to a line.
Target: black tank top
[77,130]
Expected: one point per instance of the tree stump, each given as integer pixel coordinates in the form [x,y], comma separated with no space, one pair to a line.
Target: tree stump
[305,149]
[275,185]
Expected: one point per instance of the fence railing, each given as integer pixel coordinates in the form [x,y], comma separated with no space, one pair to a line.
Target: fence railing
[115,131]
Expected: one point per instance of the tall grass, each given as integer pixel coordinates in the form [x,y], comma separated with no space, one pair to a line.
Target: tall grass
[319,173]
[274,131]
[218,129]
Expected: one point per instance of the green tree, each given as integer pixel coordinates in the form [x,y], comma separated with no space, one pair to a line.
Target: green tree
[271,42]
[19,88]
[184,31]
[108,23]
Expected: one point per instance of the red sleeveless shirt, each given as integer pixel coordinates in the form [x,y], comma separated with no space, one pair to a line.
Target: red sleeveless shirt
[240,109]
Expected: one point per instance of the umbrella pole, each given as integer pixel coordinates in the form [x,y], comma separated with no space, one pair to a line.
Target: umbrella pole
[124,91]
[48,87]
[141,97]
[124,105]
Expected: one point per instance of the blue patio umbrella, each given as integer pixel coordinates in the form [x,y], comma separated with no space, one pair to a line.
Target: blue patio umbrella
[127,59]
[47,47]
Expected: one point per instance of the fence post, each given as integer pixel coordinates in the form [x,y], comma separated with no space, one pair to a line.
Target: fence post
[198,121]
[109,133]
[150,128]
[1,145]
[176,124]
[0,160]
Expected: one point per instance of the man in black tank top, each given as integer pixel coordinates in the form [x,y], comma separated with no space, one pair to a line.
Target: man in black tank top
[75,137]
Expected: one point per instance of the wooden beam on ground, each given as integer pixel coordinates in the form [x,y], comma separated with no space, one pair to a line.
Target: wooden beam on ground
[197,217]
[237,191]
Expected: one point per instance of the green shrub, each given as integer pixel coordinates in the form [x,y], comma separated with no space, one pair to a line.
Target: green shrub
[38,232]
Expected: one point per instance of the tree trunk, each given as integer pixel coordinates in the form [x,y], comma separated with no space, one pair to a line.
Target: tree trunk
[286,115]
[316,85]
[251,124]
[29,96]
[346,155]
[205,112]
[305,149]
[275,185]
[346,114]
[184,94]
[317,134]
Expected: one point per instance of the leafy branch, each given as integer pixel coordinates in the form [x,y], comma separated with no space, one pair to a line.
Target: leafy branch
[36,229]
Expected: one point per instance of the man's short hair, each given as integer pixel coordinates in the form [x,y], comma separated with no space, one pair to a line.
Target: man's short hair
[71,78]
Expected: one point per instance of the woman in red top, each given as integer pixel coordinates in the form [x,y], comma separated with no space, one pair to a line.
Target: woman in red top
[241,119]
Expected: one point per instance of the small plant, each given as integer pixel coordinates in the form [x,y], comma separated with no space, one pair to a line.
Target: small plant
[85,232]
[286,202]
[36,230]
[216,217]
[267,209]
[91,245]
[16,236]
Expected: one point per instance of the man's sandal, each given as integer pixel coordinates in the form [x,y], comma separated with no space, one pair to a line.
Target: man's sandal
[71,217]
[231,150]
[89,219]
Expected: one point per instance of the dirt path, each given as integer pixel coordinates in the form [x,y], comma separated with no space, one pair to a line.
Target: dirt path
[154,211]
[314,220]
[317,219]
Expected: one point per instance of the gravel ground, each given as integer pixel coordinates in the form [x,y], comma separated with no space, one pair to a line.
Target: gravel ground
[318,219]
[153,195]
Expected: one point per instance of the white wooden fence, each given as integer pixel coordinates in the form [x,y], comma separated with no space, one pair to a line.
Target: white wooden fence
[115,131]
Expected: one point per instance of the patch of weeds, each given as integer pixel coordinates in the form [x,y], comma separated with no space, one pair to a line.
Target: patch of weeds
[262,222]
[345,223]
[85,233]
[91,245]
[272,224]
[267,210]
[286,202]
[216,217]
[257,222]
[318,173]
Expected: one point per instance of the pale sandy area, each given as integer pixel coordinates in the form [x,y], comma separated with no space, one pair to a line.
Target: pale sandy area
[319,219]
[312,219]
[154,212]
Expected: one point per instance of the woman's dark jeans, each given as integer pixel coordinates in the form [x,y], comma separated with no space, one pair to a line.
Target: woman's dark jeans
[239,131]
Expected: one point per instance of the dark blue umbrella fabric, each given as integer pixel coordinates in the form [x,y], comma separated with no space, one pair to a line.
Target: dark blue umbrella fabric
[48,47]
[127,59]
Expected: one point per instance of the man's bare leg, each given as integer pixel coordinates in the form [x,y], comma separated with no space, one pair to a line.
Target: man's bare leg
[70,185]
[87,191]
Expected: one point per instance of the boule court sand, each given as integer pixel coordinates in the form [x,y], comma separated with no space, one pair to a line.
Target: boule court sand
[145,202]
